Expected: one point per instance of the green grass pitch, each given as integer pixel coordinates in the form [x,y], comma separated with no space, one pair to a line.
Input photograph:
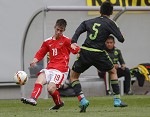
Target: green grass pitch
[139,106]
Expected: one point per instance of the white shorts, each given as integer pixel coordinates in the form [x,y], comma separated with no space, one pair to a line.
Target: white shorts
[55,76]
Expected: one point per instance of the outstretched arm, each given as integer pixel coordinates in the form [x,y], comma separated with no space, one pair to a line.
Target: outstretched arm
[39,55]
[33,63]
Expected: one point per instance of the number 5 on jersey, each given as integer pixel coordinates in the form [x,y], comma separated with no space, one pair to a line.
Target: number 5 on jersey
[95,26]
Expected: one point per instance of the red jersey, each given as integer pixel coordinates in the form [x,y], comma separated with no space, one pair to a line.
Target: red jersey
[59,52]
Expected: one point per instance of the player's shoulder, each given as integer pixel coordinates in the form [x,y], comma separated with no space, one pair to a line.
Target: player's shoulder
[117,49]
[48,39]
[92,19]
[65,38]
[113,22]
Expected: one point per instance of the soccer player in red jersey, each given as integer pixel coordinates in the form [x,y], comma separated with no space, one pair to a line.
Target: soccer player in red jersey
[56,72]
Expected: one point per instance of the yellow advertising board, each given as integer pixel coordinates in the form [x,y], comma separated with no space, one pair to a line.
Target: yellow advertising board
[121,3]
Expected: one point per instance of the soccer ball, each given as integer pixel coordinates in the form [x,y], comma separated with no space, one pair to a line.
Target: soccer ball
[21,77]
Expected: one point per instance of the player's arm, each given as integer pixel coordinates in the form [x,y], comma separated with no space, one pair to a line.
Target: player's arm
[33,63]
[114,29]
[40,54]
[81,29]
[114,59]
[121,60]
[74,49]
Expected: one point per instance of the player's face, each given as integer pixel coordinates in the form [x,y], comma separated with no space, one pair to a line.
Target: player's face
[59,31]
[110,44]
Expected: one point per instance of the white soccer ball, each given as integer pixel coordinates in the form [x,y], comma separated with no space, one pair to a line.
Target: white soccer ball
[21,77]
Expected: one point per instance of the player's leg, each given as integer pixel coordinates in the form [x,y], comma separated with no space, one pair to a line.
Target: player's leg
[52,89]
[57,78]
[115,87]
[36,91]
[66,83]
[104,63]
[75,83]
[127,83]
[106,78]
[80,65]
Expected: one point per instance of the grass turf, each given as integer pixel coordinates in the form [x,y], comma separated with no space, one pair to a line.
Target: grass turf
[139,106]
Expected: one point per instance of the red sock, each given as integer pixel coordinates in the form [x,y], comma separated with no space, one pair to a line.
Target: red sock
[56,97]
[36,91]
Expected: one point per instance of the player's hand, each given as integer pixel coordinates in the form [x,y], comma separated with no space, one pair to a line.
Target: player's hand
[74,46]
[123,66]
[116,66]
[33,64]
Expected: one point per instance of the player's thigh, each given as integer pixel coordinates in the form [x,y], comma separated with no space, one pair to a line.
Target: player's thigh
[82,63]
[103,62]
[66,77]
[51,87]
[74,76]
[57,78]
[120,72]
[41,78]
[80,67]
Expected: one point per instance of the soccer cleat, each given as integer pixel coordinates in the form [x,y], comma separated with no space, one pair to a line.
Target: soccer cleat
[108,92]
[30,101]
[130,93]
[23,99]
[84,104]
[119,103]
[56,107]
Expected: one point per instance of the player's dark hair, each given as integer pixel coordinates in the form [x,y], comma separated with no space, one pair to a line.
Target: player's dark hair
[111,38]
[106,8]
[61,23]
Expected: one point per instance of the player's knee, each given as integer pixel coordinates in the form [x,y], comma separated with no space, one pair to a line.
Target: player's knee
[51,87]
[127,70]
[40,81]
[113,71]
[74,76]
